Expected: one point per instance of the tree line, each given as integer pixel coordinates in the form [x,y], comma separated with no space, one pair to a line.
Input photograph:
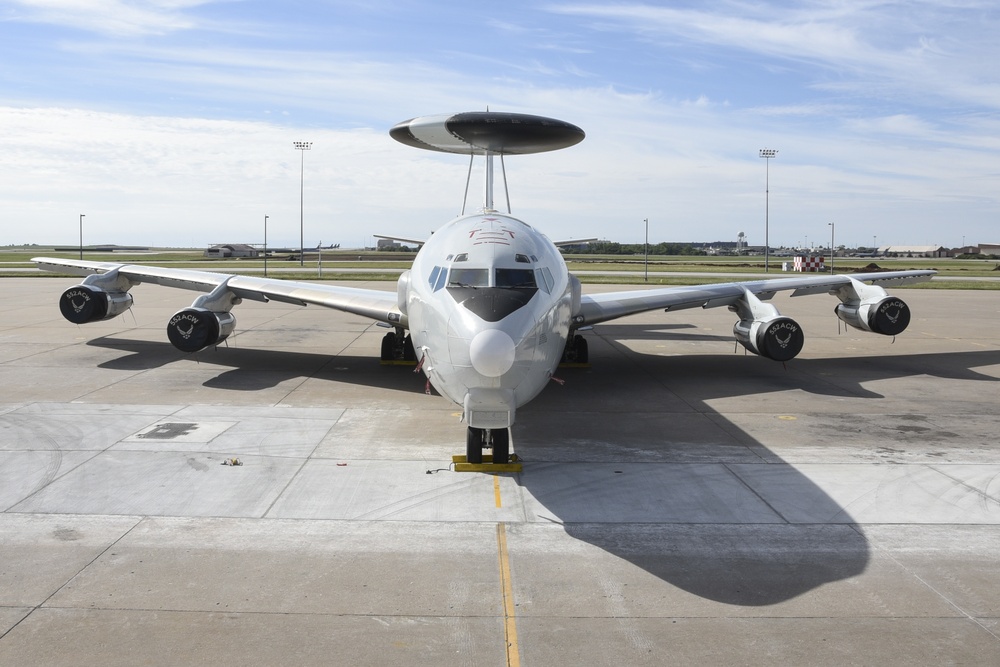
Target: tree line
[613,248]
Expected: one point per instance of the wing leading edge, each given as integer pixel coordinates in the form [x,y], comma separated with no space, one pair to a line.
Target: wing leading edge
[374,304]
[596,308]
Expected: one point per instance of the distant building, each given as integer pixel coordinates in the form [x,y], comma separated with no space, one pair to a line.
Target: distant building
[989,248]
[232,250]
[913,251]
[805,264]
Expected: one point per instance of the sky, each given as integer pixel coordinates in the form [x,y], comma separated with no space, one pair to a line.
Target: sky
[172,122]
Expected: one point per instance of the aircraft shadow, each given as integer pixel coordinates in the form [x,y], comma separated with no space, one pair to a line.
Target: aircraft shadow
[247,369]
[589,446]
[660,332]
[709,523]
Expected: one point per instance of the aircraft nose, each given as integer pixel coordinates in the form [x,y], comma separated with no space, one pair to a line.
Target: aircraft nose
[492,353]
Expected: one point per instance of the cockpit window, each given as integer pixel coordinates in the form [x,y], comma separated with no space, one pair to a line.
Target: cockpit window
[516,279]
[544,278]
[463,277]
[462,257]
[436,279]
[522,259]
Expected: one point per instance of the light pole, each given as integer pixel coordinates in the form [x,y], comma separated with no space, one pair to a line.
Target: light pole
[302,146]
[832,251]
[265,246]
[81,235]
[767,154]
[647,250]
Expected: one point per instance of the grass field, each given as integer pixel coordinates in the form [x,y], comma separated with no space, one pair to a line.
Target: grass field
[662,270]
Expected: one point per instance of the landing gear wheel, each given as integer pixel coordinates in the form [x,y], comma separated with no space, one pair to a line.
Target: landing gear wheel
[409,354]
[576,351]
[388,341]
[475,440]
[582,350]
[501,444]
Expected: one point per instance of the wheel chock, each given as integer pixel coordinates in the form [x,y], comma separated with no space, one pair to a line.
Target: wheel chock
[462,465]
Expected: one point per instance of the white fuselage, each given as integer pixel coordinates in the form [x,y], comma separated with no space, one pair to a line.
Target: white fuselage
[489,305]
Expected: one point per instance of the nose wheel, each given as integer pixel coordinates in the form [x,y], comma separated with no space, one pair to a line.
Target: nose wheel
[478,439]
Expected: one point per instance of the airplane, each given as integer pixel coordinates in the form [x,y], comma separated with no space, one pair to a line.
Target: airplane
[488,309]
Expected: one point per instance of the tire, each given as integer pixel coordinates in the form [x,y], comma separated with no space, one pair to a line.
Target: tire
[501,445]
[474,445]
[582,350]
[387,343]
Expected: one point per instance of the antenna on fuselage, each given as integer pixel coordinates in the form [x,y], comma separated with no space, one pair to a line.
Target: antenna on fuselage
[488,200]
[487,133]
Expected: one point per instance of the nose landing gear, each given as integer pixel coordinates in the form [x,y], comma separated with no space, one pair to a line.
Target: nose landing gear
[478,439]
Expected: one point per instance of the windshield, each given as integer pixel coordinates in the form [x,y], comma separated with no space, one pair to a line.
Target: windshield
[516,278]
[463,277]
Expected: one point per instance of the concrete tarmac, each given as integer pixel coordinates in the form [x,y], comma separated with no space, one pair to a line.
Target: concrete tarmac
[681,502]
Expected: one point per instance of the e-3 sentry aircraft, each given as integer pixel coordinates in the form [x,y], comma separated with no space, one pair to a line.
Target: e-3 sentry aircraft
[488,309]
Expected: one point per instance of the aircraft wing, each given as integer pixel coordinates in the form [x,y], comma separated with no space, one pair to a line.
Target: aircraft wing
[573,242]
[375,304]
[407,241]
[595,308]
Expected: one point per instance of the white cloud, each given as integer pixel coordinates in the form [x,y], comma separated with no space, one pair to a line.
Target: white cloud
[890,130]
[920,50]
[111,17]
[692,169]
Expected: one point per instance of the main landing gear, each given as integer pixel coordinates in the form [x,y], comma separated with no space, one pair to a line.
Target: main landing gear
[478,439]
[576,351]
[397,347]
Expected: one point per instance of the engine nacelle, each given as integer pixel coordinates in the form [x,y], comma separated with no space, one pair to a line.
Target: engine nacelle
[887,316]
[85,303]
[194,329]
[403,290]
[780,338]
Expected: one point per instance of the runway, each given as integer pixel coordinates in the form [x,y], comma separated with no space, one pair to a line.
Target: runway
[681,502]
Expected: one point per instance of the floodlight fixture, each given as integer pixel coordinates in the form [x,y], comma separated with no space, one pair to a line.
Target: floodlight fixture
[767,154]
[302,146]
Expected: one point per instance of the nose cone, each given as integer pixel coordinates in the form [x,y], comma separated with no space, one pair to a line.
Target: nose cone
[492,353]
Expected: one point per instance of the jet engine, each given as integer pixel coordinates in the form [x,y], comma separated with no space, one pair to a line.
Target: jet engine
[870,308]
[87,303]
[764,331]
[403,291]
[887,316]
[780,338]
[194,329]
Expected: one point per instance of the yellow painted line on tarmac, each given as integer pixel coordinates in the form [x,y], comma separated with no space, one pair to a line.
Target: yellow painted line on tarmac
[496,491]
[507,592]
